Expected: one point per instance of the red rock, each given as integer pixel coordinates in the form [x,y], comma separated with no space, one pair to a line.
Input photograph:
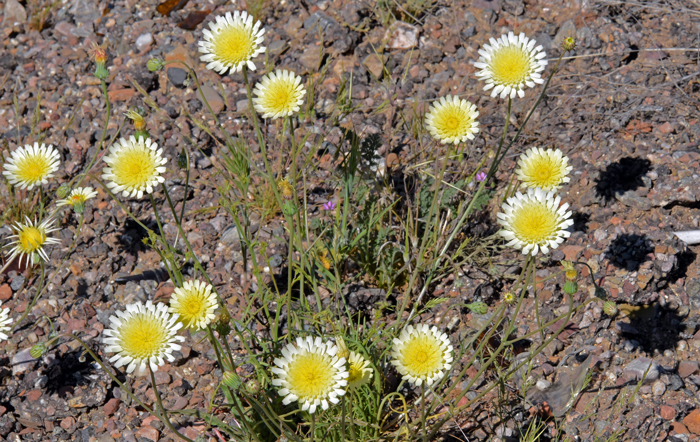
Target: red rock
[33,395]
[678,428]
[5,292]
[67,423]
[121,94]
[149,433]
[665,128]
[692,421]
[571,252]
[667,413]
[112,406]
[687,368]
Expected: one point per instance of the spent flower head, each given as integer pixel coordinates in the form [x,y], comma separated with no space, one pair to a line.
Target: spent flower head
[422,354]
[310,372]
[31,165]
[5,321]
[144,334]
[510,63]
[99,54]
[135,166]
[233,42]
[279,94]
[535,221]
[30,240]
[546,169]
[195,303]
[568,44]
[77,198]
[452,120]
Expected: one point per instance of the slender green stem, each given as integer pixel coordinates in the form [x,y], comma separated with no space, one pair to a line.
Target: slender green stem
[352,416]
[422,400]
[215,344]
[313,427]
[104,134]
[163,411]
[342,419]
[495,164]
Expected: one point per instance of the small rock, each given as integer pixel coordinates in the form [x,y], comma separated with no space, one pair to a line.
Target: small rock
[543,384]
[242,106]
[310,58]
[668,413]
[22,361]
[14,13]
[692,421]
[5,292]
[144,41]
[635,370]
[687,368]
[212,97]
[149,433]
[112,406]
[659,388]
[374,64]
[177,77]
[230,235]
[403,36]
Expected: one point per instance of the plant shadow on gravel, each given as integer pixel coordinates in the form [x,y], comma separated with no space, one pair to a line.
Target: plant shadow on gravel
[655,329]
[629,251]
[621,176]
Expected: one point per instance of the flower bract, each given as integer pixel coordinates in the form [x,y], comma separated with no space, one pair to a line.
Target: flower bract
[4,322]
[279,94]
[310,372]
[30,240]
[422,354]
[77,196]
[135,166]
[510,63]
[452,120]
[195,303]
[31,166]
[546,169]
[144,334]
[231,42]
[359,372]
[534,221]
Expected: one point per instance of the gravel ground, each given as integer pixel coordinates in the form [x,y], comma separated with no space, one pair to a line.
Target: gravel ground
[624,109]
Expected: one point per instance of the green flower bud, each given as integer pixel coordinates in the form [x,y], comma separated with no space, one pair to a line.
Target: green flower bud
[479,308]
[570,287]
[223,323]
[155,64]
[101,71]
[232,380]
[289,208]
[182,159]
[569,44]
[610,308]
[38,350]
[253,386]
[63,190]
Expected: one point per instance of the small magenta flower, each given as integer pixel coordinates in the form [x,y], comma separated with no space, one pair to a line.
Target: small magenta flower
[330,205]
[481,177]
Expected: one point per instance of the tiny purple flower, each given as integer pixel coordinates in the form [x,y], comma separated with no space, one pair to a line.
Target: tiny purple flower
[330,205]
[481,176]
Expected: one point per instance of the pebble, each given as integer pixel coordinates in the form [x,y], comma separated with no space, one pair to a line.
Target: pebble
[687,368]
[659,388]
[635,370]
[22,361]
[14,12]
[213,97]
[403,36]
[692,421]
[177,77]
[144,41]
[543,384]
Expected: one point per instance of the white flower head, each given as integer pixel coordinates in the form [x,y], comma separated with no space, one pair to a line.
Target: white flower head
[546,169]
[30,240]
[77,196]
[452,120]
[359,371]
[310,372]
[135,166]
[279,94]
[233,42]
[31,166]
[5,321]
[422,354]
[144,334]
[534,221]
[195,303]
[509,64]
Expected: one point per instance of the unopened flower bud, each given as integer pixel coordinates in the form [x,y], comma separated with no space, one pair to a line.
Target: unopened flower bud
[182,159]
[155,64]
[253,386]
[232,380]
[289,208]
[479,308]
[38,350]
[569,44]
[610,308]
[99,54]
[63,190]
[570,287]
[343,351]
[223,324]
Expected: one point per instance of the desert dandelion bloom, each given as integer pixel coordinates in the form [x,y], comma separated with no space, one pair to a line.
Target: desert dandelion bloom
[535,221]
[422,354]
[31,166]
[310,372]
[279,94]
[509,64]
[233,42]
[195,302]
[77,196]
[359,372]
[452,120]
[135,166]
[4,322]
[142,335]
[546,169]
[31,239]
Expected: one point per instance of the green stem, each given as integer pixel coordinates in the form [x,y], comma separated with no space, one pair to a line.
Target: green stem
[422,400]
[313,427]
[495,164]
[352,417]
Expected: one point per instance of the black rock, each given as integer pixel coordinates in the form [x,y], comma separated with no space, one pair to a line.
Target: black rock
[177,77]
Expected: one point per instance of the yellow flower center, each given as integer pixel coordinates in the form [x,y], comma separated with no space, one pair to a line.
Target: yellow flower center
[33,168]
[134,168]
[143,336]
[310,375]
[422,355]
[452,122]
[510,65]
[544,172]
[355,373]
[534,223]
[233,44]
[279,96]
[31,239]
[192,307]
